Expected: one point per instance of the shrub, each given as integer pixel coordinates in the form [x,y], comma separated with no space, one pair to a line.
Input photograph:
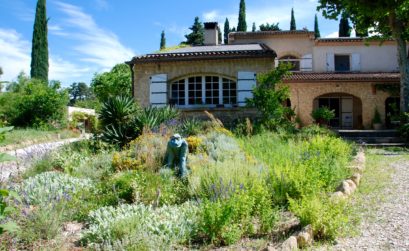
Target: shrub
[191,127]
[49,102]
[50,186]
[147,152]
[78,119]
[194,143]
[220,147]
[163,226]
[323,115]
[326,216]
[376,117]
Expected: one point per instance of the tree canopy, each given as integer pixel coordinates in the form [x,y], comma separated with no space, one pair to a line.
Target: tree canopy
[242,25]
[39,52]
[116,82]
[316,28]
[162,40]
[389,18]
[269,27]
[226,31]
[344,27]
[253,29]
[293,27]
[196,37]
[79,91]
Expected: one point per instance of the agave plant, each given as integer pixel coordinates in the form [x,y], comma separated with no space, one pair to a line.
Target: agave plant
[152,117]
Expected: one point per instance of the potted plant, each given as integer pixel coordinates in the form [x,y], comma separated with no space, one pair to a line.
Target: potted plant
[322,115]
[377,121]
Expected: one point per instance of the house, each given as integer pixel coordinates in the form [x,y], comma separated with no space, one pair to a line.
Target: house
[349,75]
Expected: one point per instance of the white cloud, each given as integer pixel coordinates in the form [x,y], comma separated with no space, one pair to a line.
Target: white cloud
[96,45]
[15,57]
[332,35]
[211,16]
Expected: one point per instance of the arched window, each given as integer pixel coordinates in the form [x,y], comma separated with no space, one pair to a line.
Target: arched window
[207,90]
[292,60]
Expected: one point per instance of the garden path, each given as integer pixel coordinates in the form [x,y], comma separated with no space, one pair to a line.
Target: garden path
[385,224]
[25,156]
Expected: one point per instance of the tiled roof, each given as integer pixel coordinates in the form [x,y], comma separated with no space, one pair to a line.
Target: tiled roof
[343,76]
[209,52]
[285,32]
[349,39]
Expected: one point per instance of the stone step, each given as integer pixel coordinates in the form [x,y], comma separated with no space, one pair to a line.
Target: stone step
[370,140]
[368,133]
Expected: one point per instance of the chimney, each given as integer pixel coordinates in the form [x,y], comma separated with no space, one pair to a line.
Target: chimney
[211,33]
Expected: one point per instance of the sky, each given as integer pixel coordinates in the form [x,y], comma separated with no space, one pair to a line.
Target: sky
[86,37]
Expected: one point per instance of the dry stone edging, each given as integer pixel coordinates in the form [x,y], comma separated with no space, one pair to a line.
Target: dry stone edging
[304,238]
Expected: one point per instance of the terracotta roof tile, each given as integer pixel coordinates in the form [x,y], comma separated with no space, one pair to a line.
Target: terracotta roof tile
[343,76]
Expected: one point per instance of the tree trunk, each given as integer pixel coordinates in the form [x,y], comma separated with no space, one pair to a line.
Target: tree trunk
[397,28]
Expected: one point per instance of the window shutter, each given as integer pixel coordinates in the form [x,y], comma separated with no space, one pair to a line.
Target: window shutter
[356,62]
[158,90]
[330,61]
[306,63]
[246,81]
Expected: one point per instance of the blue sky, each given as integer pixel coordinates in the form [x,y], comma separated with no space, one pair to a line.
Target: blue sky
[90,36]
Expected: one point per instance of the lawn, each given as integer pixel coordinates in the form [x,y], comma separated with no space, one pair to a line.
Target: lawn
[127,200]
[21,137]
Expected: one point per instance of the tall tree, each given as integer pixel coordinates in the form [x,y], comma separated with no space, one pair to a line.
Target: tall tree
[293,27]
[219,35]
[226,31]
[196,37]
[242,25]
[361,31]
[79,91]
[253,29]
[316,28]
[387,17]
[162,40]
[344,27]
[39,52]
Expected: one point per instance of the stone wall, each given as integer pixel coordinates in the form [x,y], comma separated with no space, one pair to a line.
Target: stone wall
[175,70]
[303,95]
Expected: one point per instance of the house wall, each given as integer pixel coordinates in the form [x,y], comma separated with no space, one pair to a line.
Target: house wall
[303,95]
[373,57]
[295,45]
[176,70]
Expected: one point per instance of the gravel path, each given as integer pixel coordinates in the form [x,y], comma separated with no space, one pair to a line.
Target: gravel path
[384,226]
[25,156]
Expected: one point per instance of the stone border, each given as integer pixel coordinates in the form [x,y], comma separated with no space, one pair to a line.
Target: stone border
[305,237]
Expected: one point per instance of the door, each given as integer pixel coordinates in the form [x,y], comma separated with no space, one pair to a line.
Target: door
[346,112]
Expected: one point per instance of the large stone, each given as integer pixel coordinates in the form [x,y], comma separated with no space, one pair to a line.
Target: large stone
[356,178]
[305,237]
[290,244]
[338,195]
[352,185]
[344,188]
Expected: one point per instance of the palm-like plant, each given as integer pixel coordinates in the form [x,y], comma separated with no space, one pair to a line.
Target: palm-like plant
[118,110]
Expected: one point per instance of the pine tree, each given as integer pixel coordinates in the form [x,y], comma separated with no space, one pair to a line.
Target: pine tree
[344,27]
[39,52]
[242,25]
[293,27]
[253,29]
[226,31]
[196,37]
[316,28]
[162,40]
[219,35]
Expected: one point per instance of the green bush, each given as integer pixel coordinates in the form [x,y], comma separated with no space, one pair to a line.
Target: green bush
[191,127]
[322,115]
[35,104]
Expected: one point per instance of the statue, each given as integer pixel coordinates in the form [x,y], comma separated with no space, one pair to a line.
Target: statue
[176,154]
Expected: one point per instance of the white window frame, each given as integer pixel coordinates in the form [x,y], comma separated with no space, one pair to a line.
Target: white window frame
[203,92]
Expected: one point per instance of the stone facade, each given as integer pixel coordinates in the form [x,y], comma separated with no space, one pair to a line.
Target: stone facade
[303,96]
[179,69]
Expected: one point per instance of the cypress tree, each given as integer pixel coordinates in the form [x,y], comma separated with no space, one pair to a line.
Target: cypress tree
[344,27]
[162,40]
[316,28]
[226,31]
[219,35]
[253,29]
[39,52]
[293,27]
[242,25]
[196,37]
[233,29]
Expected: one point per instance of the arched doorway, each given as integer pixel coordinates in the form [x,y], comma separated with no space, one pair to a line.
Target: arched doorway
[347,108]
[392,111]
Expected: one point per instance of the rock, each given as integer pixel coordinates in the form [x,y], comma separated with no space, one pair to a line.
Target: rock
[356,178]
[305,237]
[344,188]
[352,185]
[290,244]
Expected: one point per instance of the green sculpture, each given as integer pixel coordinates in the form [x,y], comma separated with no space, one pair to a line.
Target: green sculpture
[176,154]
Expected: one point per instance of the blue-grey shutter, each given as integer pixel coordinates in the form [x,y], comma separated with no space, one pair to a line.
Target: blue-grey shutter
[356,62]
[158,90]
[330,61]
[246,81]
[306,63]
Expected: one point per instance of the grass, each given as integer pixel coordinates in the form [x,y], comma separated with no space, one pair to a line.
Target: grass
[22,137]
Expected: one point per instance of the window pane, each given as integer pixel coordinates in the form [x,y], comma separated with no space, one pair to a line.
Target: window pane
[342,63]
